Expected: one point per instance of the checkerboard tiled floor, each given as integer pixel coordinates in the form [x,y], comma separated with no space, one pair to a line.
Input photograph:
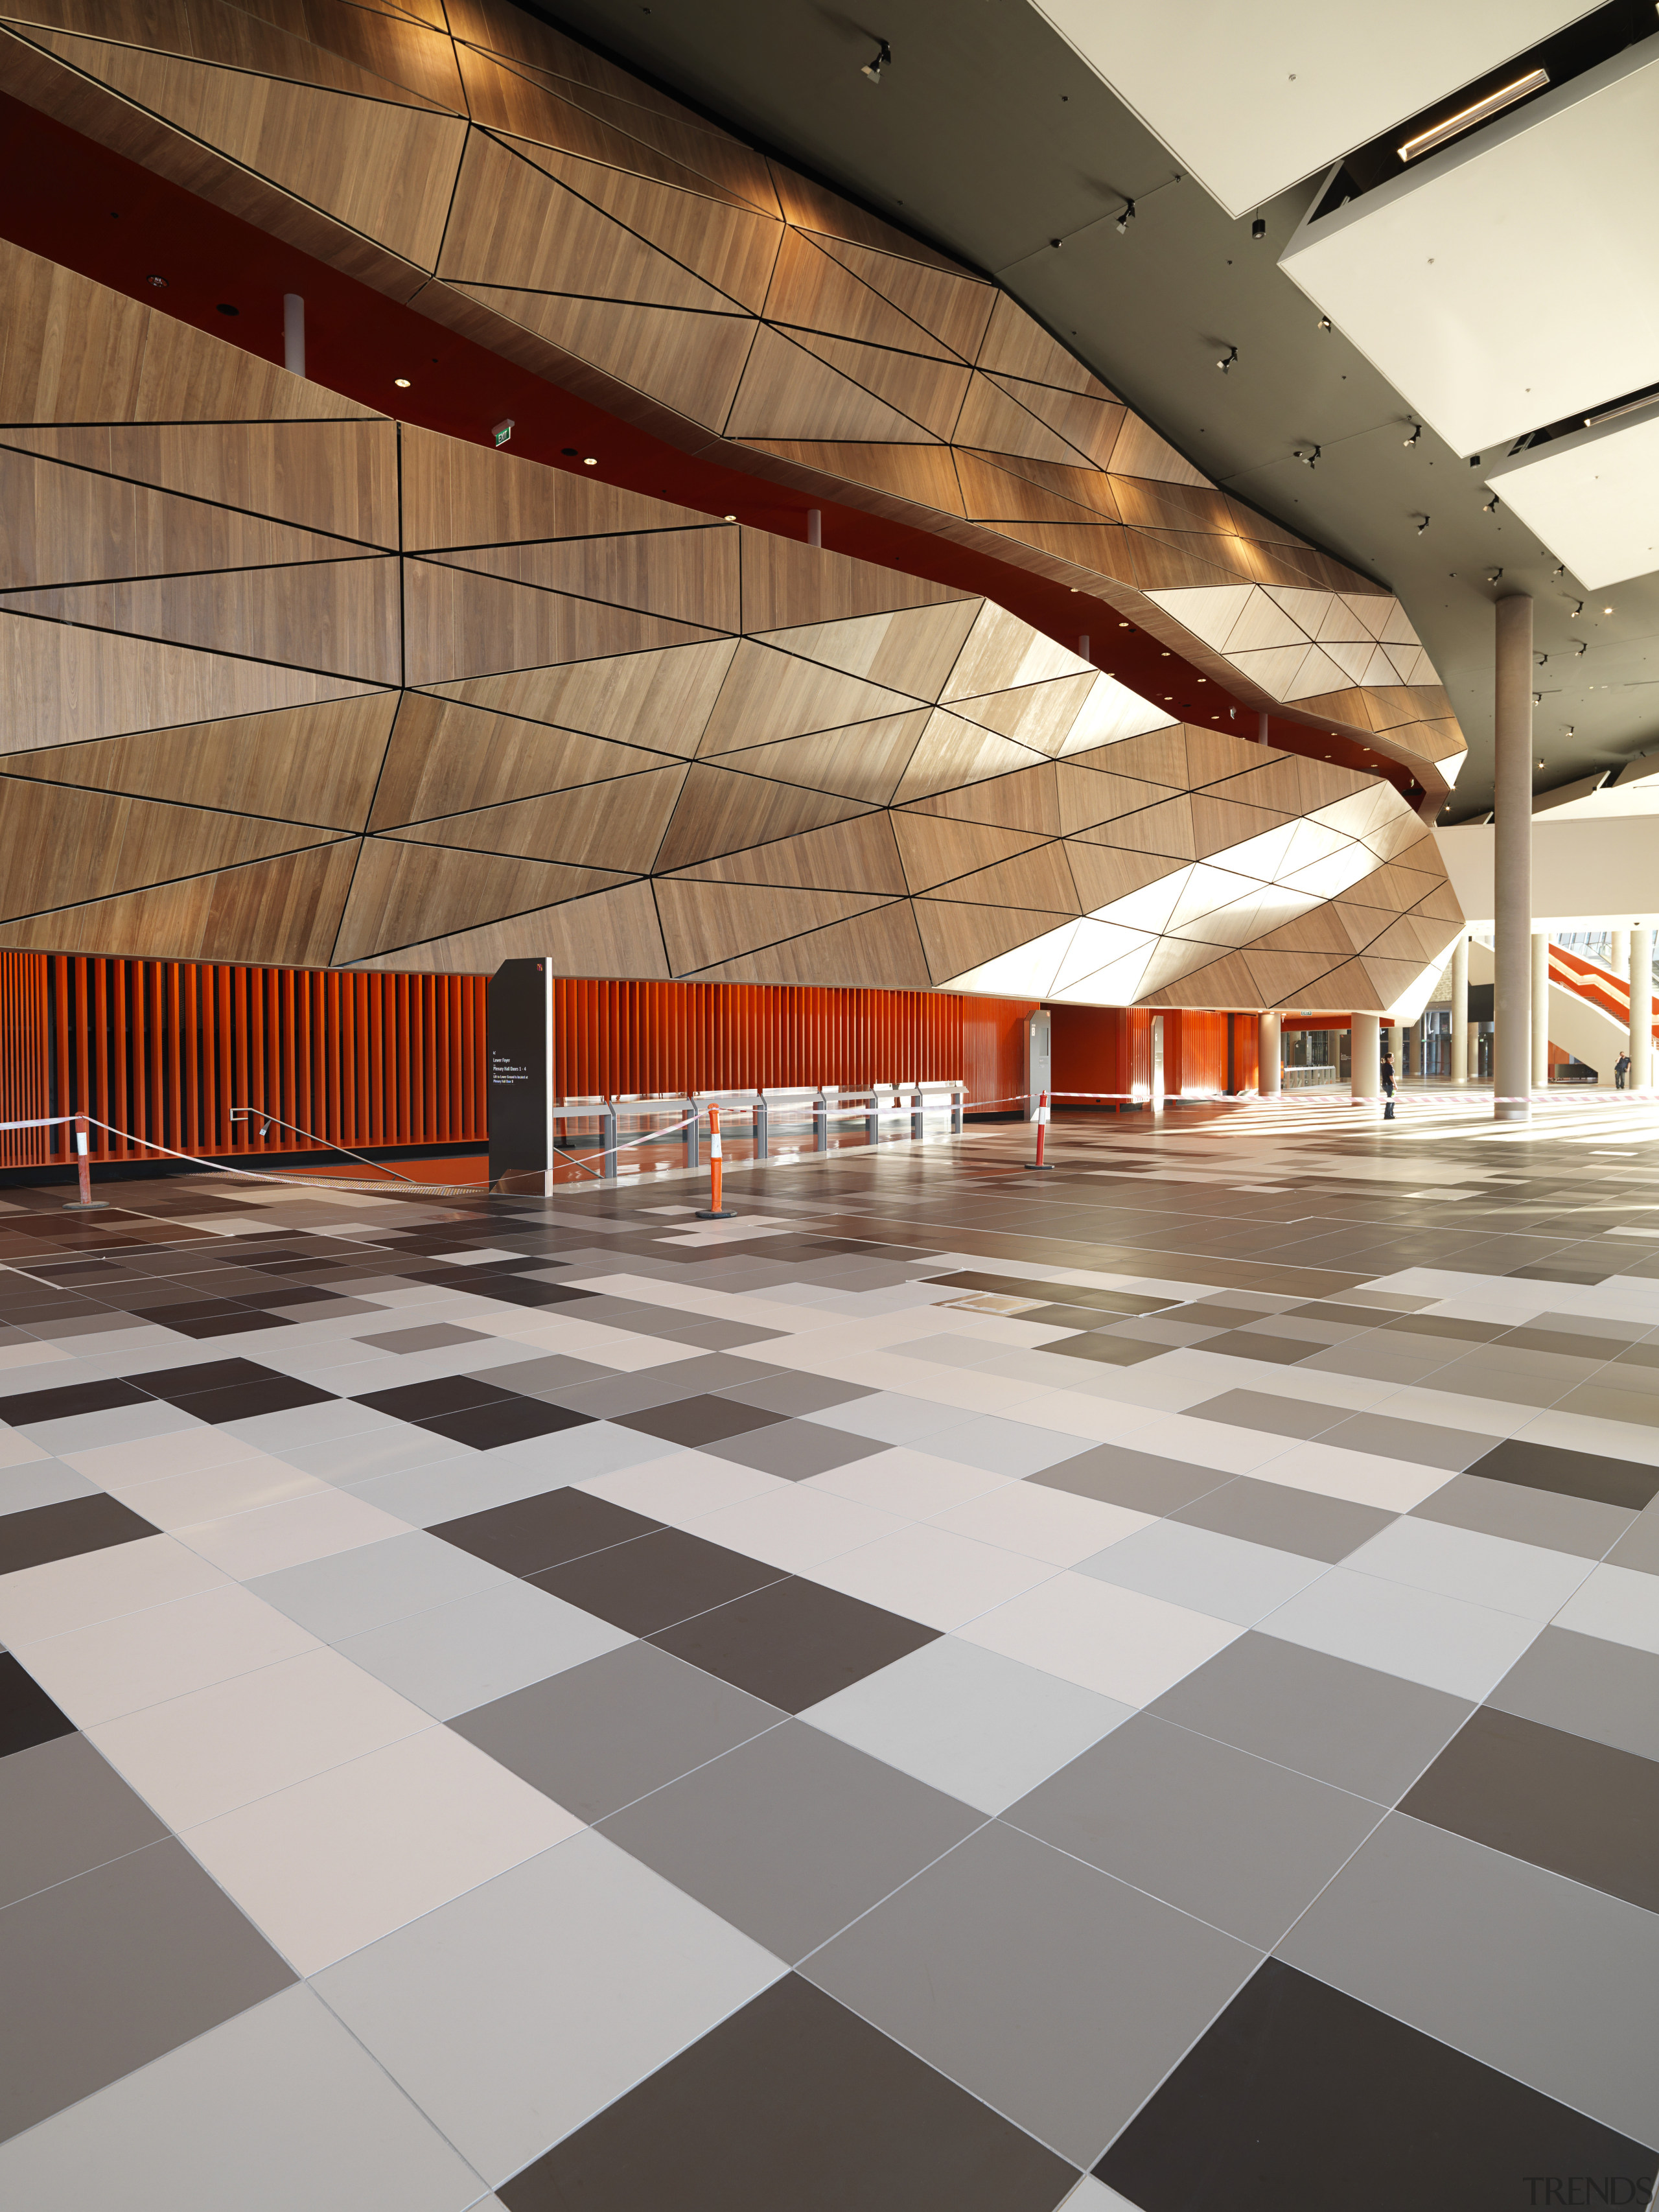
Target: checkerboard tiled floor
[958,1691]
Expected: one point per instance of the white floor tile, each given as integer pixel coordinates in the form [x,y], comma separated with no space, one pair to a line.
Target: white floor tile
[276,1536]
[64,1594]
[457,1656]
[1620,1604]
[683,1486]
[1055,1525]
[1125,1646]
[338,1861]
[908,1482]
[795,1527]
[1362,1478]
[1224,1576]
[347,1592]
[1433,1555]
[521,2010]
[212,1493]
[932,1575]
[152,1459]
[206,1753]
[133,1660]
[1441,1642]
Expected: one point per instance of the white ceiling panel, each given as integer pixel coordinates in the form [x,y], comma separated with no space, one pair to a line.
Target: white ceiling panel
[1593,498]
[1251,99]
[1508,281]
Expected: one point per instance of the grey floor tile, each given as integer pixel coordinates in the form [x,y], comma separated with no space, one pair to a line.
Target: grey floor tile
[122,1424]
[1492,1955]
[1426,1636]
[62,1811]
[1277,1414]
[599,1735]
[791,1835]
[1588,1685]
[1349,1725]
[1141,1481]
[1527,1579]
[1283,1519]
[470,2010]
[1237,1841]
[431,1336]
[889,1416]
[1544,1517]
[798,1394]
[1010,1448]
[550,1374]
[213,2124]
[350,1593]
[794,1449]
[40,1482]
[1210,1573]
[979,1726]
[1058,1995]
[1638,1547]
[1423,1445]
[465,1654]
[122,1964]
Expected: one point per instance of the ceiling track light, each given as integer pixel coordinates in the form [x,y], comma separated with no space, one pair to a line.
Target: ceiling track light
[1493,575]
[1227,359]
[1308,456]
[1576,611]
[1417,432]
[1560,571]
[1324,325]
[1126,215]
[1581,649]
[1482,112]
[873,69]
[1422,523]
[1491,507]
[1259,229]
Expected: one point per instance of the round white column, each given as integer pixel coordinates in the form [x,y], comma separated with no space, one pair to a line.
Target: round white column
[1641,1010]
[1364,1057]
[1460,989]
[1512,861]
[1541,1009]
[1267,1046]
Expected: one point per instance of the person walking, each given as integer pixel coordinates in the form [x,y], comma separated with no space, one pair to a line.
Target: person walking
[1621,1070]
[1388,1084]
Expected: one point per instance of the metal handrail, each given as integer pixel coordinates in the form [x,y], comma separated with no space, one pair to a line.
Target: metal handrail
[274,1120]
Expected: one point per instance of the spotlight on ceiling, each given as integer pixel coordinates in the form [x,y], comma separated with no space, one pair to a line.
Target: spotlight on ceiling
[1537,698]
[1422,523]
[1323,324]
[1493,575]
[873,69]
[1576,611]
[1491,507]
[402,383]
[1417,432]
[1126,215]
[1571,733]
[159,282]
[1308,455]
[1561,571]
[1227,359]
[1259,229]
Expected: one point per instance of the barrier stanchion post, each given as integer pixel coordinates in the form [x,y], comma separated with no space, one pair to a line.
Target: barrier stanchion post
[918,1125]
[693,1133]
[820,1124]
[86,1203]
[958,1098]
[714,1211]
[1039,1165]
[762,1150]
[872,1119]
[608,1140]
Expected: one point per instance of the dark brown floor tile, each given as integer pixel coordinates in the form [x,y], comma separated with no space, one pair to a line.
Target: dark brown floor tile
[26,1407]
[700,1420]
[1575,1474]
[1243,1344]
[794,1642]
[1579,1807]
[28,1714]
[794,2103]
[29,1539]
[1300,2096]
[656,1581]
[534,1533]
[244,1400]
[514,1421]
[444,1394]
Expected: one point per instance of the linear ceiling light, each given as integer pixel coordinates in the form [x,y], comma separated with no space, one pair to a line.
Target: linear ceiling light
[1493,104]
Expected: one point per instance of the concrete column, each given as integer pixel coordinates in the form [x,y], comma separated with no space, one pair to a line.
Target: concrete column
[1392,1037]
[1261,727]
[1266,1045]
[1364,1057]
[1620,962]
[1541,1007]
[1512,861]
[294,333]
[1459,987]
[1641,1010]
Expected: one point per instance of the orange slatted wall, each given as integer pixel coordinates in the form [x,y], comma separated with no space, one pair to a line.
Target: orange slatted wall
[165,1050]
[1108,1050]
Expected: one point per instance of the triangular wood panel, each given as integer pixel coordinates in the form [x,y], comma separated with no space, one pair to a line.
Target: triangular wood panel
[993,494]
[928,392]
[284,911]
[788,584]
[937,850]
[614,932]
[768,695]
[864,761]
[690,575]
[462,624]
[706,923]
[618,825]
[375,59]
[339,477]
[1026,801]
[1092,427]
[402,894]
[313,764]
[1039,879]
[812,207]
[990,419]
[63,685]
[953,310]
[913,649]
[859,855]
[64,844]
[1003,651]
[1082,488]
[788,393]
[333,150]
[814,290]
[661,700]
[958,938]
[953,752]
[687,362]
[1165,828]
[1016,345]
[448,757]
[719,812]
[1040,715]
[1089,798]
[347,611]
[882,947]
[923,474]
[457,494]
[1102,876]
[1217,825]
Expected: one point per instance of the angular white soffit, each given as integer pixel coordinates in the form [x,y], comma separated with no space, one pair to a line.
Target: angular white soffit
[1592,497]
[1250,100]
[1507,281]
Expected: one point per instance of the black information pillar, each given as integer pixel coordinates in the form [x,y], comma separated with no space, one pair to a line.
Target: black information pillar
[517,1032]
